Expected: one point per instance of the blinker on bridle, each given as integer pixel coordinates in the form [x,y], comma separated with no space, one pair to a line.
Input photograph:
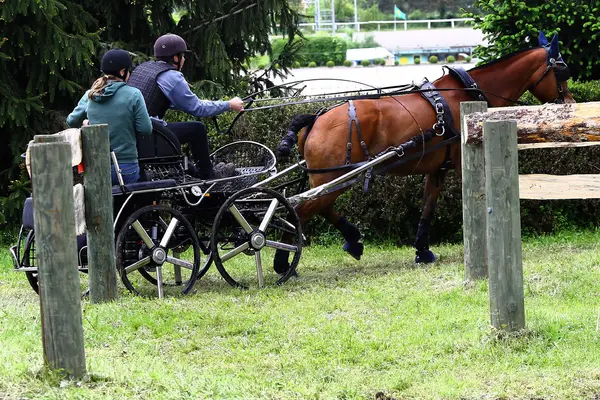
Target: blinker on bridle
[561,73]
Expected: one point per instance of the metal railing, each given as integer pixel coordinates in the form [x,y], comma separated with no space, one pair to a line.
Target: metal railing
[323,25]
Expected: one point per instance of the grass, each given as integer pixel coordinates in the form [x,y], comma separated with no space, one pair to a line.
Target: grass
[344,330]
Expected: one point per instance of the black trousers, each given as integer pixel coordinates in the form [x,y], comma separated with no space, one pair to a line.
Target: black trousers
[194,134]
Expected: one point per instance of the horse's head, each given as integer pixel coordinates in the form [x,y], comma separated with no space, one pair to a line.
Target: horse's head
[552,87]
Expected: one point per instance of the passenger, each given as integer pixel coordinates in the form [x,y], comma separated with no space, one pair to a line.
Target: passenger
[110,101]
[164,86]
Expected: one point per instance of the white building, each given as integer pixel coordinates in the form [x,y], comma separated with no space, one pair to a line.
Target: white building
[406,45]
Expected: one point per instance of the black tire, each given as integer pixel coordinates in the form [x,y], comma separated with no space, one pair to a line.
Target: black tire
[28,261]
[132,250]
[204,241]
[234,236]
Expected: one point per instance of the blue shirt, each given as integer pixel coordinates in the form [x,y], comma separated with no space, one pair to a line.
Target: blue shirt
[175,87]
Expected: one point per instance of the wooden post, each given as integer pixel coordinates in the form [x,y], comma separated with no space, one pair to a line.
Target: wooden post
[99,213]
[473,198]
[503,225]
[54,223]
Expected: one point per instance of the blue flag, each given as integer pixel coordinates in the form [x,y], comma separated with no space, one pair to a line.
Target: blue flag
[398,13]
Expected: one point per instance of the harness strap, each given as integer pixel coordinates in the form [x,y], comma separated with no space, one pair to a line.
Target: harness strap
[445,121]
[352,117]
[468,82]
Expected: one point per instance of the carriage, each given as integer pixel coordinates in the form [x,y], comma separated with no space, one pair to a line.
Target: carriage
[171,227]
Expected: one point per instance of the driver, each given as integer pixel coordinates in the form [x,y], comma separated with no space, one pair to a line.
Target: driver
[163,86]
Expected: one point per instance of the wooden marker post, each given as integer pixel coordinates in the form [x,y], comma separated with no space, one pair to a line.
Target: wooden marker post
[503,225]
[54,222]
[99,213]
[473,198]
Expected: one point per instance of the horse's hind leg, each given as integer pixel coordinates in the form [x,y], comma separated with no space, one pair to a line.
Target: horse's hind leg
[349,231]
[324,207]
[433,188]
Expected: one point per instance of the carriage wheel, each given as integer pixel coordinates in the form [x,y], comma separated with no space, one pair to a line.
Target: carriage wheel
[204,242]
[157,249]
[246,233]
[29,261]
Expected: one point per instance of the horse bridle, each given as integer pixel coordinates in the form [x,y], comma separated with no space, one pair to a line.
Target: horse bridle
[561,73]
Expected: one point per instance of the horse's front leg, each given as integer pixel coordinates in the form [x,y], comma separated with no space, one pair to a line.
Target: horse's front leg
[433,188]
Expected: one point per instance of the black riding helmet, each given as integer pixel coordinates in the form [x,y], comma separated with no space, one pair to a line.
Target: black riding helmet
[169,45]
[114,61]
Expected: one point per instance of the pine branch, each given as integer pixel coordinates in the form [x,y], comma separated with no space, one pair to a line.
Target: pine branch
[212,21]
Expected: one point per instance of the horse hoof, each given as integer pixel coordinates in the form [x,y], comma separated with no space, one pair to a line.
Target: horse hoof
[354,249]
[281,264]
[424,257]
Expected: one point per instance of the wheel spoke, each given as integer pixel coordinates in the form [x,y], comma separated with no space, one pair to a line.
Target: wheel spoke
[268,215]
[170,229]
[281,246]
[137,265]
[180,263]
[240,218]
[143,234]
[235,252]
[259,271]
[159,281]
[288,224]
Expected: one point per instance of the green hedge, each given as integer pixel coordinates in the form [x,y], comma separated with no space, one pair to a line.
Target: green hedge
[317,48]
[392,207]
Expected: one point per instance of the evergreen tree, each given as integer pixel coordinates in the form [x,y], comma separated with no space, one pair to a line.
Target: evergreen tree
[46,50]
[50,52]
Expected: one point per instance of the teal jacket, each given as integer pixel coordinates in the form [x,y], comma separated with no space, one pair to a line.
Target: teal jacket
[121,107]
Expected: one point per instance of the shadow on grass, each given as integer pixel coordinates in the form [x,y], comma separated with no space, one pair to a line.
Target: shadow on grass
[330,273]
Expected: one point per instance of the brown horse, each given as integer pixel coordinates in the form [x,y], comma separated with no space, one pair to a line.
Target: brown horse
[394,120]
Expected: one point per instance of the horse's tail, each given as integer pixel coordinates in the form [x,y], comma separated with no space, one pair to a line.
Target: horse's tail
[291,137]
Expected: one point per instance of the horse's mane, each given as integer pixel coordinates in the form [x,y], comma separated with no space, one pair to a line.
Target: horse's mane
[503,58]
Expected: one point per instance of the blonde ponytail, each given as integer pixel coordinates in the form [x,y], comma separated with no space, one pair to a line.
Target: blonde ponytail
[99,85]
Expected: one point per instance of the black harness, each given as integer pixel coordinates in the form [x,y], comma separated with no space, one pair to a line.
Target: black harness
[443,127]
[561,73]
[463,76]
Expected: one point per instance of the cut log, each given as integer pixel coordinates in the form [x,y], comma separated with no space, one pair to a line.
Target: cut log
[555,187]
[578,122]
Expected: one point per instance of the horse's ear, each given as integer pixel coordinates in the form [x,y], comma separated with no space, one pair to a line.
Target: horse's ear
[542,39]
[554,47]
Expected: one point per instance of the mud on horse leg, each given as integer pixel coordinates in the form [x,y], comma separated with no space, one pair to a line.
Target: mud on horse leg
[433,188]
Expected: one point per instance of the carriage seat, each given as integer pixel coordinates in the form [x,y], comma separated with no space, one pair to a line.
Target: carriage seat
[144,185]
[162,143]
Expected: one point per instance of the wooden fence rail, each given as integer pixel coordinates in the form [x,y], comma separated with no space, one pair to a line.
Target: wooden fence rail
[491,140]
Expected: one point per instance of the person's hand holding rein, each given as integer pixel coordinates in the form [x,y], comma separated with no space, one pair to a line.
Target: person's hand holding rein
[236,104]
